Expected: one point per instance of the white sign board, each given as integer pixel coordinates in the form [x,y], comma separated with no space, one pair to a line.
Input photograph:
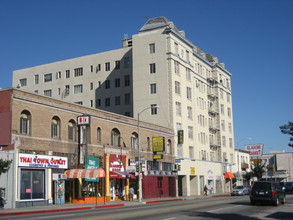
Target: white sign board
[42,161]
[254,150]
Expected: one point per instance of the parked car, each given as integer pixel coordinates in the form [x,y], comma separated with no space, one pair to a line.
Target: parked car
[271,192]
[289,186]
[240,191]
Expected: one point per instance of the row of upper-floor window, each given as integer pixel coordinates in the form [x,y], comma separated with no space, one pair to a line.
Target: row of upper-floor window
[26,120]
[48,77]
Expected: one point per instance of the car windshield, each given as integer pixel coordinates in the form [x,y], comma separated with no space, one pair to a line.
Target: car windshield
[262,186]
[238,187]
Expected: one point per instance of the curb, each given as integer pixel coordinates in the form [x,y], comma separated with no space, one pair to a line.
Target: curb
[57,210]
[171,200]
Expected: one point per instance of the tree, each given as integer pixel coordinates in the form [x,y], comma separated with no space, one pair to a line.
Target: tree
[247,176]
[4,165]
[258,169]
[288,129]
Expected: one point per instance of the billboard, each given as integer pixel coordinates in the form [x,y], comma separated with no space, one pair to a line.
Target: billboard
[255,150]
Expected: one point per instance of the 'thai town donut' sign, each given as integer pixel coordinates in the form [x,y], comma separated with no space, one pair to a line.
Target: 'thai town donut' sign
[42,161]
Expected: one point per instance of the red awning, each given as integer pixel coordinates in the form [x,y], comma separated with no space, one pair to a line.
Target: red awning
[228,175]
[85,173]
[120,175]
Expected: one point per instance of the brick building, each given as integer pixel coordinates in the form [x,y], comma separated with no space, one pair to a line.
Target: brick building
[41,135]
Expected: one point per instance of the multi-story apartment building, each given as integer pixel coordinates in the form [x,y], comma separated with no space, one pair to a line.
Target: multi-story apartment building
[156,66]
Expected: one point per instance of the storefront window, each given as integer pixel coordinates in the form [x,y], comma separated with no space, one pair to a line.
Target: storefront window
[32,184]
[167,166]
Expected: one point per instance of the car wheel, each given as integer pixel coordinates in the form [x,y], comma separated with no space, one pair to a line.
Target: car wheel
[277,202]
[284,200]
[252,202]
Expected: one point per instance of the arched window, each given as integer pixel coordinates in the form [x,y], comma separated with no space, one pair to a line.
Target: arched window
[134,140]
[169,147]
[25,121]
[55,127]
[99,135]
[149,144]
[115,137]
[71,130]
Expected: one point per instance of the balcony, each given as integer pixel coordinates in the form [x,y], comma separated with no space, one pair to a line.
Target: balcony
[244,165]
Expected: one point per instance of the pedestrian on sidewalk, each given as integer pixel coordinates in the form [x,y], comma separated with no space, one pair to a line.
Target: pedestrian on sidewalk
[131,193]
[205,189]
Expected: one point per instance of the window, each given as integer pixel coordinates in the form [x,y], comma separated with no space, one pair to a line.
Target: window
[48,92]
[117,82]
[25,119]
[189,112]
[190,132]
[222,109]
[176,66]
[115,137]
[152,48]
[127,99]
[48,77]
[229,112]
[126,62]
[230,127]
[188,93]
[91,86]
[228,97]
[117,64]
[58,75]
[67,90]
[107,102]
[177,87]
[107,66]
[107,84]
[178,108]
[176,48]
[191,152]
[71,130]
[23,82]
[188,75]
[230,143]
[169,147]
[36,79]
[55,127]
[98,68]
[78,72]
[117,100]
[154,109]
[92,68]
[33,180]
[78,89]
[187,56]
[153,88]
[224,141]
[98,103]
[99,135]
[127,80]
[152,68]
[67,74]
[223,125]
[134,140]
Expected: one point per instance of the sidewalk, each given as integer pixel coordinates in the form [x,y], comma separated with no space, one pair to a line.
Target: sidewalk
[72,207]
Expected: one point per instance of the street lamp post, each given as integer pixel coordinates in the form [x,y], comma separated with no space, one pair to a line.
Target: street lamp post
[139,154]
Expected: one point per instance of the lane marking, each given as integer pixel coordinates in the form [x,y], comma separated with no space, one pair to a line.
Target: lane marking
[58,216]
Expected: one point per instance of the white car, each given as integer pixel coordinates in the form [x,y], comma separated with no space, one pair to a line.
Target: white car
[240,191]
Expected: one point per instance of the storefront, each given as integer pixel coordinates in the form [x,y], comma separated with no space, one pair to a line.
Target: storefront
[35,179]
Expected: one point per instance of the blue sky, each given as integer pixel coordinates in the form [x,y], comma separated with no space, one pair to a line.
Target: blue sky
[254,38]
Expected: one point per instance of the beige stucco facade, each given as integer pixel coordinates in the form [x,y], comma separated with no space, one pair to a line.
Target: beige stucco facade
[191,88]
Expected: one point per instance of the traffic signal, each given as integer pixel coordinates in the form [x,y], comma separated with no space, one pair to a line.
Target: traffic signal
[138,168]
[180,135]
[179,167]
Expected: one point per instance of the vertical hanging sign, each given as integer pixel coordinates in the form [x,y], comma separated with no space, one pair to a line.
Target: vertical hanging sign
[83,123]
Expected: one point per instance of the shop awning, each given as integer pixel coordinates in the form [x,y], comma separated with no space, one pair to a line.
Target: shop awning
[228,175]
[120,175]
[85,173]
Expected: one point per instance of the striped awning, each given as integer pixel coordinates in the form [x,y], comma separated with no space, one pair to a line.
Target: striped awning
[85,173]
[120,175]
[228,175]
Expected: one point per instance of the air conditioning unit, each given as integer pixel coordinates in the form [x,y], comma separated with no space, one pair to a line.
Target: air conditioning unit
[62,176]
[59,176]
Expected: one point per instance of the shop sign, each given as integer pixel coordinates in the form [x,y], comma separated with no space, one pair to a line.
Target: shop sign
[192,170]
[116,162]
[157,156]
[42,161]
[158,144]
[255,150]
[92,163]
[83,120]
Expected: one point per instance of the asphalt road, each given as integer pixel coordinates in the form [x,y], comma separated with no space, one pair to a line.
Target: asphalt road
[234,208]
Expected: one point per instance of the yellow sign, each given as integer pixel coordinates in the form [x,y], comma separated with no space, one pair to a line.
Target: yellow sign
[158,144]
[158,156]
[192,170]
